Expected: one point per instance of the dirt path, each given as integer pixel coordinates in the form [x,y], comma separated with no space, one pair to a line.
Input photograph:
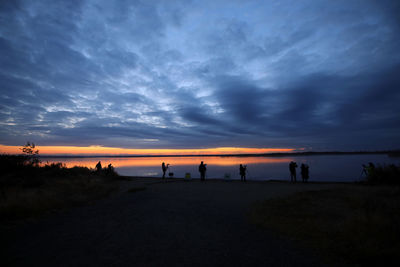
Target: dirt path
[173,223]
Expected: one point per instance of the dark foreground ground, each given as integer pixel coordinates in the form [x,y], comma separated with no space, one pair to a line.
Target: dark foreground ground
[173,223]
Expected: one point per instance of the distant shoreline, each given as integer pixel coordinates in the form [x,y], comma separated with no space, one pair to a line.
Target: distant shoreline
[390,153]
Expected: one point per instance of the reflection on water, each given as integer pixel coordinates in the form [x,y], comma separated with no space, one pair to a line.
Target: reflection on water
[322,168]
[173,161]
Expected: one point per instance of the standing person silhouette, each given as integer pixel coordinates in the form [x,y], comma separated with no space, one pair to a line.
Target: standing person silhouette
[164,169]
[110,169]
[98,166]
[242,171]
[304,172]
[370,170]
[202,170]
[292,169]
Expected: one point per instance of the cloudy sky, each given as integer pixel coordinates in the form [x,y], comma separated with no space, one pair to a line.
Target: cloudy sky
[314,74]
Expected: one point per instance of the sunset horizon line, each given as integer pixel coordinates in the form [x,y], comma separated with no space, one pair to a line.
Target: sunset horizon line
[97,150]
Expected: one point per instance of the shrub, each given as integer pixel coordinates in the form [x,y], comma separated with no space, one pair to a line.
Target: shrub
[9,163]
[386,174]
[31,154]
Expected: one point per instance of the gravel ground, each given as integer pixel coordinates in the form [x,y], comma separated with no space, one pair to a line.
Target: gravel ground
[171,223]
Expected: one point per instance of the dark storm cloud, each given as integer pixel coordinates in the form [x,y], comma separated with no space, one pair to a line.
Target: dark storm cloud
[198,115]
[317,106]
[244,102]
[321,74]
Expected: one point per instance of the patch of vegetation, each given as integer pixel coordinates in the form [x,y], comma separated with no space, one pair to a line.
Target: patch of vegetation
[136,189]
[358,225]
[383,174]
[29,188]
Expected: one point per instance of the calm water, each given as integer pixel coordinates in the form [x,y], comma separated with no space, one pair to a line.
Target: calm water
[322,168]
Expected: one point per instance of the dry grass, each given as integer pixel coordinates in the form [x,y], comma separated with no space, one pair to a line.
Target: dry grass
[29,189]
[40,195]
[348,225]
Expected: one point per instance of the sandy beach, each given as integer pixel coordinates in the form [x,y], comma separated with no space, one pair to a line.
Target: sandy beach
[162,223]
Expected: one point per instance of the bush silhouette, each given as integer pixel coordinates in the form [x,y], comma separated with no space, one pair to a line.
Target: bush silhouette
[386,174]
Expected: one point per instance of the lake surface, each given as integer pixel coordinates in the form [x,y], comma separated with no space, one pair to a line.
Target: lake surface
[338,168]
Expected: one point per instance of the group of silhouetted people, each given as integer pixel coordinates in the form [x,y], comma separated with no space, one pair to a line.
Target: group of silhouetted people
[203,170]
[304,171]
[108,170]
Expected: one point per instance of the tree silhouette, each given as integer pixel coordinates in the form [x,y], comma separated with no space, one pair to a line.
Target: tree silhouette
[31,154]
[29,149]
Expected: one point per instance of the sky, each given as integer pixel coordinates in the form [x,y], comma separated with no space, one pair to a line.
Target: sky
[313,75]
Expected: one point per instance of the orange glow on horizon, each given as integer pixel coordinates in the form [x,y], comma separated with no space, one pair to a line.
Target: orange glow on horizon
[114,151]
[151,162]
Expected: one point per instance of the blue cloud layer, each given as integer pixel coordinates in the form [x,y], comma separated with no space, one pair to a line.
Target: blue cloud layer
[176,74]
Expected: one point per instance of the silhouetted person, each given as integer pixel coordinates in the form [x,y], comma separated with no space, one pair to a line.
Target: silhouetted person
[98,166]
[202,170]
[370,169]
[110,169]
[304,172]
[164,169]
[242,171]
[292,169]
[364,171]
